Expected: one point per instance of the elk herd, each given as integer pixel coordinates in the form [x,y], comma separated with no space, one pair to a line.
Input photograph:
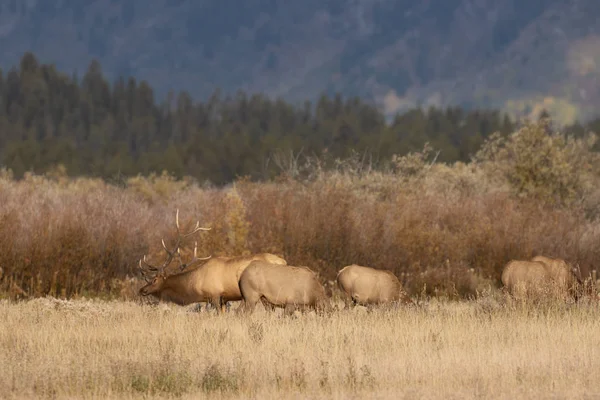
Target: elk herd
[267,278]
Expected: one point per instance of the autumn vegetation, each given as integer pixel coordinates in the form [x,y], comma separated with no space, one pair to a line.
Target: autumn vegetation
[118,127]
[443,228]
[487,348]
[93,171]
[92,176]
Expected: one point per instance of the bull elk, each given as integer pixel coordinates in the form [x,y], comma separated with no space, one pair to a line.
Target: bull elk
[172,287]
[215,282]
[367,286]
[282,286]
[542,275]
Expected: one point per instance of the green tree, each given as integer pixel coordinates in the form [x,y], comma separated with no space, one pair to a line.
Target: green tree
[539,162]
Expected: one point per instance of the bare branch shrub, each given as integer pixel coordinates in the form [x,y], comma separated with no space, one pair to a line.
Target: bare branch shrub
[443,229]
[539,162]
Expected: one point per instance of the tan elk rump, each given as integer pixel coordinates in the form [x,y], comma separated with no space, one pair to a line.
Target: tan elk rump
[215,282]
[367,286]
[542,276]
[282,286]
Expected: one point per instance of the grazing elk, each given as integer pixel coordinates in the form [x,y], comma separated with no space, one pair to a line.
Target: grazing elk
[541,276]
[367,286]
[178,288]
[566,275]
[220,276]
[215,282]
[282,286]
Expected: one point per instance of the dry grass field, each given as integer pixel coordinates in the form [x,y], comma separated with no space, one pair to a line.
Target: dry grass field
[446,231]
[486,348]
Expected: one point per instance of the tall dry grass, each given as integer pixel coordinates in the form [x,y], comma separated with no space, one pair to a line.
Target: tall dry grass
[480,349]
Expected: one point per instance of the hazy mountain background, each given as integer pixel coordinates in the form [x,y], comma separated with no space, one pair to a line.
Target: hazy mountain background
[517,55]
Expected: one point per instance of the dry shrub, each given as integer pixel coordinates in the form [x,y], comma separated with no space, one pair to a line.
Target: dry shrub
[545,164]
[328,227]
[66,240]
[71,239]
[443,229]
[157,188]
[447,281]
[236,223]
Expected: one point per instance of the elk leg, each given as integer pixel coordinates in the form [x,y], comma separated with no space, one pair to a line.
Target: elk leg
[347,302]
[225,306]
[216,303]
[289,309]
[241,308]
[249,302]
[220,304]
[267,304]
[319,309]
[248,306]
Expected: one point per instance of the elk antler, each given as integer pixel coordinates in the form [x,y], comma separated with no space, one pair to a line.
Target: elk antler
[151,268]
[196,228]
[175,252]
[193,260]
[143,271]
[180,236]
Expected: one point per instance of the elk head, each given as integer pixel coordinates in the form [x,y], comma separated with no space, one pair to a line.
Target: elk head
[155,277]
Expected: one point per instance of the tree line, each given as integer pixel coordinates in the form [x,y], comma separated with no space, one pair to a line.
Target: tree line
[97,128]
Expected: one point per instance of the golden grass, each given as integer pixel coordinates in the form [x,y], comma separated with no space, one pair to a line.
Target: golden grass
[480,349]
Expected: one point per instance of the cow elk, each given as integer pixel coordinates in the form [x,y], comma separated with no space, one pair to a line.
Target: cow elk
[542,276]
[282,286]
[369,286]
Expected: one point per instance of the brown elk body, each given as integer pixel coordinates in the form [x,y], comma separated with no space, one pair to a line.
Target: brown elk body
[367,286]
[540,276]
[282,286]
[215,282]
